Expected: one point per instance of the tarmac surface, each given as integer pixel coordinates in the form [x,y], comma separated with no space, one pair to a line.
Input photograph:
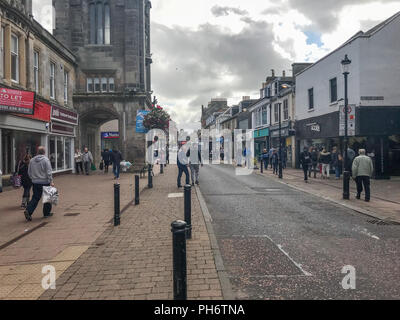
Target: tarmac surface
[278,242]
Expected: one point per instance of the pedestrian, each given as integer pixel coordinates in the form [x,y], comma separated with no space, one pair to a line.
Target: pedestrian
[336,162]
[362,169]
[271,153]
[194,163]
[314,162]
[26,182]
[40,172]
[222,154]
[326,160]
[265,158]
[78,161]
[183,163]
[351,154]
[305,161]
[284,158]
[116,160]
[106,157]
[275,161]
[87,160]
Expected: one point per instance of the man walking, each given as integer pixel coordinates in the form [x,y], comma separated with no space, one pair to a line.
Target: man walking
[40,172]
[194,162]
[314,162]
[106,156]
[362,172]
[87,160]
[183,163]
[116,160]
[305,160]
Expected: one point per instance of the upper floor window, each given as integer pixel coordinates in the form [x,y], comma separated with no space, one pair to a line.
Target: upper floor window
[276,112]
[14,58]
[285,109]
[2,51]
[100,84]
[36,70]
[333,89]
[265,115]
[52,80]
[100,26]
[311,98]
[66,84]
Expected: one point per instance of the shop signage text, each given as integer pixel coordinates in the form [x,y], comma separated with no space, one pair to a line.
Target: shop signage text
[60,128]
[110,135]
[42,112]
[17,101]
[63,115]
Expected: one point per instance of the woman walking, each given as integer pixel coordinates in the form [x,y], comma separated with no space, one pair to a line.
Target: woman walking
[78,161]
[26,182]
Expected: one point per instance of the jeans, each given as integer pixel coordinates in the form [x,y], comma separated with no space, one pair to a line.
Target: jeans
[195,170]
[313,168]
[87,167]
[325,169]
[364,180]
[77,166]
[183,169]
[266,161]
[337,172]
[116,170]
[305,169]
[37,195]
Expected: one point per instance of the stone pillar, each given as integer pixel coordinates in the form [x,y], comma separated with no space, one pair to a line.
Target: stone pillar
[30,82]
[22,60]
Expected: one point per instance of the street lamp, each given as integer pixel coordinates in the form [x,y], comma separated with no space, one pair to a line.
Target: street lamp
[346,175]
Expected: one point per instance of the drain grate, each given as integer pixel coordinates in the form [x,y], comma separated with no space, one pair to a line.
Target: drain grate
[71,214]
[383,223]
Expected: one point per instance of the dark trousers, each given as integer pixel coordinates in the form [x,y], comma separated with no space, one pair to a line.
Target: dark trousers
[275,167]
[313,168]
[305,169]
[106,165]
[116,170]
[87,167]
[364,180]
[37,195]
[183,169]
[78,165]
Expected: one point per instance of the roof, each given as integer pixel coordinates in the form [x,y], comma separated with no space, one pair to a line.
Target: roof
[359,34]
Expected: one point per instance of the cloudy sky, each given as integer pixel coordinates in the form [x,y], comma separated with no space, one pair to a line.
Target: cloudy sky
[226,48]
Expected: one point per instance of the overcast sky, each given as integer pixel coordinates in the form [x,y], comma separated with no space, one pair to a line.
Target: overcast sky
[226,48]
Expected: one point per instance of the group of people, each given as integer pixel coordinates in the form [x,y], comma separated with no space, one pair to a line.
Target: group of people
[189,158]
[361,167]
[35,174]
[84,161]
[271,158]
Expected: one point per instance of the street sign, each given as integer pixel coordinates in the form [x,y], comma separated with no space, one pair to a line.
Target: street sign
[351,120]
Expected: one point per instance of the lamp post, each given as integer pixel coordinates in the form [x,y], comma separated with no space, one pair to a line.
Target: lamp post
[280,143]
[346,175]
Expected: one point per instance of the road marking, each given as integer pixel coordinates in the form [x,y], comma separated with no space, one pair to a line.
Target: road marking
[175,195]
[280,247]
[367,233]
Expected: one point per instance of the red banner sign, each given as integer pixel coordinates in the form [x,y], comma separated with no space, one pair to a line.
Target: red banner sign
[42,112]
[64,115]
[17,101]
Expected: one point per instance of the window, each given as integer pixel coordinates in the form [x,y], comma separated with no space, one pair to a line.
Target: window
[100,23]
[89,85]
[14,58]
[265,115]
[276,112]
[66,84]
[111,84]
[2,52]
[104,85]
[52,80]
[311,98]
[285,109]
[96,85]
[36,70]
[333,89]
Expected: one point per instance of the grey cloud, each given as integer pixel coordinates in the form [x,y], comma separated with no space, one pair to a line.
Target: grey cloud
[219,11]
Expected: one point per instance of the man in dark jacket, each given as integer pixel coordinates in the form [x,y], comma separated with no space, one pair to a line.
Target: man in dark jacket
[106,156]
[22,170]
[116,160]
[314,162]
[183,163]
[305,160]
[40,172]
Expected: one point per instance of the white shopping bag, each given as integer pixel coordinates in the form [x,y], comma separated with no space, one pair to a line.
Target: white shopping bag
[50,195]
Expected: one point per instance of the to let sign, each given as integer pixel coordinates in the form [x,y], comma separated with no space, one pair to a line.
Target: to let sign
[17,101]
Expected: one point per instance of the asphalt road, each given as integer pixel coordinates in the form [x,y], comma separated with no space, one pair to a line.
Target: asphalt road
[280,243]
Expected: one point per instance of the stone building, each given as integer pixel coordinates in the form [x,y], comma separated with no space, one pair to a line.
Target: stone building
[111,40]
[37,79]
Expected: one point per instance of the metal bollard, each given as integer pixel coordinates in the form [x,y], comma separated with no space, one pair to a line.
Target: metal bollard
[262,166]
[1,181]
[150,184]
[188,210]
[161,169]
[346,185]
[117,212]
[179,262]
[137,194]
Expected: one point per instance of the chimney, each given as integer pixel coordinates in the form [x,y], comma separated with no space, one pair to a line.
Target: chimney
[245,98]
[273,72]
[28,7]
[284,73]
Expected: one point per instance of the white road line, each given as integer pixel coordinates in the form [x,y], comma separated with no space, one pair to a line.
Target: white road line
[366,232]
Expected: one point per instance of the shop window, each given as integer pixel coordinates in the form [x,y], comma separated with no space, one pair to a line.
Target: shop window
[52,152]
[6,151]
[60,153]
[68,146]
[14,58]
[26,143]
[36,70]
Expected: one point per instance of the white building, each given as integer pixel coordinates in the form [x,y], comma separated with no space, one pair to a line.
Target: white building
[373,93]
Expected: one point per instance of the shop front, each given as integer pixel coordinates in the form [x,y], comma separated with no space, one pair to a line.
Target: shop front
[61,140]
[288,141]
[261,141]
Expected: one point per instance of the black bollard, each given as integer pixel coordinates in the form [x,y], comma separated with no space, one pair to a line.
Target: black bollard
[137,195]
[346,185]
[188,210]
[262,166]
[150,184]
[179,262]
[117,212]
[161,169]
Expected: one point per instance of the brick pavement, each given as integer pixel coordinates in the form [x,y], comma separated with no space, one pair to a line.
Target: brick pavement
[385,194]
[24,250]
[134,261]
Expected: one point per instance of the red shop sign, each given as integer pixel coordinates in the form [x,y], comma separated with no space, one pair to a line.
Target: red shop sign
[17,101]
[60,128]
[42,112]
[64,115]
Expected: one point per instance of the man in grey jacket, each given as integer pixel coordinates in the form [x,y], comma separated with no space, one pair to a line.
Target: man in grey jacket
[40,172]
[87,159]
[362,172]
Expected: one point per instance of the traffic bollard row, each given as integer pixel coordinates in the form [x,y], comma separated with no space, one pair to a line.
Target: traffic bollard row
[179,259]
[117,210]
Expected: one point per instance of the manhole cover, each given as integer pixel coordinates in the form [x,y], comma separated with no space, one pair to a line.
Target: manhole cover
[71,214]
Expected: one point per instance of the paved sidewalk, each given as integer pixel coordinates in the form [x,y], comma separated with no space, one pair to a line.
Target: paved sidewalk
[385,194]
[84,212]
[134,261]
